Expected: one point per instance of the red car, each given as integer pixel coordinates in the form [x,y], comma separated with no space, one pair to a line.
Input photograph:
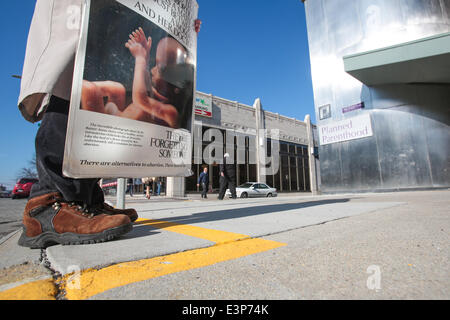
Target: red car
[23,187]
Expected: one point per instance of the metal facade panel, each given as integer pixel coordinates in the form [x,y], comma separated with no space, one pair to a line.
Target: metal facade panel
[410,144]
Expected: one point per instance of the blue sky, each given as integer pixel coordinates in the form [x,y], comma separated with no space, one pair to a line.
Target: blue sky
[246,50]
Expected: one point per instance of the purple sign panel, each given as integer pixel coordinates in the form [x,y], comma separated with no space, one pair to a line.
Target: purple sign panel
[353,107]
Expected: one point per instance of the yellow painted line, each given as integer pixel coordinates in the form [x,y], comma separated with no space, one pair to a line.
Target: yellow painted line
[217,236]
[93,282]
[37,290]
[228,246]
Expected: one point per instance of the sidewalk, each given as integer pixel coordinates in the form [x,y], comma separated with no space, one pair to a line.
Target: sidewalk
[137,198]
[177,239]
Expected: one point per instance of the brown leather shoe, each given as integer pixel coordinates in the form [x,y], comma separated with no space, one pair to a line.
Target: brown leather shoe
[49,220]
[107,209]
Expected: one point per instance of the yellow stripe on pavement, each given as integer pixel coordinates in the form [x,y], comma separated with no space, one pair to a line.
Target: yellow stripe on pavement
[228,246]
[37,290]
[217,236]
[93,282]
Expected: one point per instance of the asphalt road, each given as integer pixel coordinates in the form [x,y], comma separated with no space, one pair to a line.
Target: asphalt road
[11,212]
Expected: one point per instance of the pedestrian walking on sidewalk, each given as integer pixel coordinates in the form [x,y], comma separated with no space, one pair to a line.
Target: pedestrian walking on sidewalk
[227,178]
[147,181]
[203,180]
[158,186]
[130,187]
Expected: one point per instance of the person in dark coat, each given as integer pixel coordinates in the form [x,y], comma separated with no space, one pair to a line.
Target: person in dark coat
[203,180]
[227,178]
[130,186]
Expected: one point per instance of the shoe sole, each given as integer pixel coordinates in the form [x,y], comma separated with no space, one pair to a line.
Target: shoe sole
[48,239]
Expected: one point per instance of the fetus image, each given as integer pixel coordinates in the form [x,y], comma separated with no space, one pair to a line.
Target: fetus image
[160,94]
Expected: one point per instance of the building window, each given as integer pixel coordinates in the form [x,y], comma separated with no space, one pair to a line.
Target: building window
[252,173]
[325,112]
[293,173]
[285,184]
[242,176]
[301,174]
[292,149]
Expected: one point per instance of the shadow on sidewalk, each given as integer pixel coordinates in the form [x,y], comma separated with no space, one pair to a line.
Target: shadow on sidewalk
[232,214]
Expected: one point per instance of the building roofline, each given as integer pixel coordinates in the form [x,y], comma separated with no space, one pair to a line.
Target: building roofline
[251,108]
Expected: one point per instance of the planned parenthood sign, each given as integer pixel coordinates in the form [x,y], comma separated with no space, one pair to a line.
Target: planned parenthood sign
[345,130]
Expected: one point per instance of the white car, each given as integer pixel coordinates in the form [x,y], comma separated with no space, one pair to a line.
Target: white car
[253,189]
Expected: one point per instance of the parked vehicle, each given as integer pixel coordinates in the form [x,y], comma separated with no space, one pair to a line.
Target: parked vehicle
[253,189]
[109,186]
[5,194]
[23,187]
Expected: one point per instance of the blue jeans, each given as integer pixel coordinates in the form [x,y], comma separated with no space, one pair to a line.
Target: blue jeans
[50,141]
[158,189]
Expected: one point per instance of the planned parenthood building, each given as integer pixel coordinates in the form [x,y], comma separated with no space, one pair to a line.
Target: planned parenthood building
[381,79]
[290,149]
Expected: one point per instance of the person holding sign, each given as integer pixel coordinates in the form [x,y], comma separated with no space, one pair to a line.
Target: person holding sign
[60,210]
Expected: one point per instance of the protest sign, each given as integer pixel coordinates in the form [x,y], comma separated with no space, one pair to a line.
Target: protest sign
[131,111]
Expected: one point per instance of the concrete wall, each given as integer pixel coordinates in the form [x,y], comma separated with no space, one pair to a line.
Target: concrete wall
[237,116]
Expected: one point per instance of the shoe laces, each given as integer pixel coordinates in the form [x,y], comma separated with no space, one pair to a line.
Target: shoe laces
[83,209]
